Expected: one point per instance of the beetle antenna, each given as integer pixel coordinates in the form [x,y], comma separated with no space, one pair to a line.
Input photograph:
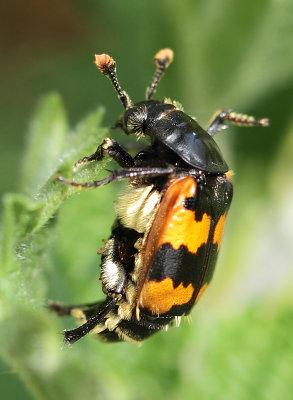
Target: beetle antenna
[107,66]
[163,58]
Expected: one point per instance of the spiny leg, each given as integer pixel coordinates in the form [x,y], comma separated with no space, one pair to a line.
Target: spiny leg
[219,119]
[163,58]
[108,147]
[71,336]
[122,174]
[94,314]
[64,310]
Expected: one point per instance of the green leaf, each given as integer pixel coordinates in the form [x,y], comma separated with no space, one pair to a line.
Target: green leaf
[23,215]
[51,149]
[45,142]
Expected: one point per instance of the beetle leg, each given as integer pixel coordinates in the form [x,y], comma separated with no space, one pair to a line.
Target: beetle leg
[71,336]
[94,313]
[219,119]
[113,276]
[72,310]
[113,149]
[125,173]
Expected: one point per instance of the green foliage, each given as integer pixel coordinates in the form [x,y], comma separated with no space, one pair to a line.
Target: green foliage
[239,342]
[28,224]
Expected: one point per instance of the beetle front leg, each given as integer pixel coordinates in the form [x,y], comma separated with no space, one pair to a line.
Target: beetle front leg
[111,148]
[219,119]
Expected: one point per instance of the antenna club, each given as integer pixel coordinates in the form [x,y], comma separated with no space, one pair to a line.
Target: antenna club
[164,57]
[105,63]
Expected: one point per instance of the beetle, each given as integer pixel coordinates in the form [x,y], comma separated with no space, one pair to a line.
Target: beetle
[162,251]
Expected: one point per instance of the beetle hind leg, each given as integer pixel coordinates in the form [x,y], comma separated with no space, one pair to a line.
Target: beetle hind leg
[64,310]
[73,335]
[94,314]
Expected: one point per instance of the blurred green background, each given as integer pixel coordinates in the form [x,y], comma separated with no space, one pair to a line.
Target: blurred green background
[227,55]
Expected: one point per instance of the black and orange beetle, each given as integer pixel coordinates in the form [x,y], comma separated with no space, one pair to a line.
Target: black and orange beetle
[162,251]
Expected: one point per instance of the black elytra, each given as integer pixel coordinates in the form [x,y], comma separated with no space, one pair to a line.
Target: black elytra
[164,243]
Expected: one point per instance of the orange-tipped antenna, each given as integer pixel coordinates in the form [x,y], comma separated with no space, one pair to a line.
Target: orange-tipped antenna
[163,58]
[107,66]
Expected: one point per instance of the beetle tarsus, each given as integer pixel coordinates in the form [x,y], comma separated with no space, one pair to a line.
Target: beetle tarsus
[219,119]
[111,148]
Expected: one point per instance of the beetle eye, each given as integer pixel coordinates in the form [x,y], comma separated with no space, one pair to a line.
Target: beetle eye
[135,120]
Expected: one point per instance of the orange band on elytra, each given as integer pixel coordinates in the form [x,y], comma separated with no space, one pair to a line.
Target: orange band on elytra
[159,297]
[218,233]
